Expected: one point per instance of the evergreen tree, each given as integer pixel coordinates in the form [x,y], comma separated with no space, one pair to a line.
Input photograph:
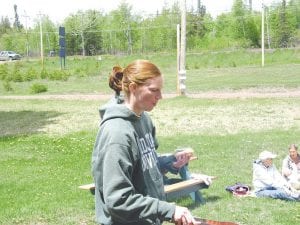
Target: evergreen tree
[283,33]
[283,26]
[17,24]
[4,25]
[294,9]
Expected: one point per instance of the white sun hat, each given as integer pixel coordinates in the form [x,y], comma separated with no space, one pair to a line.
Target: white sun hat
[267,155]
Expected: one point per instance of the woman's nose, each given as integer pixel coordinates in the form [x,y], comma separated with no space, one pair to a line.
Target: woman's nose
[159,96]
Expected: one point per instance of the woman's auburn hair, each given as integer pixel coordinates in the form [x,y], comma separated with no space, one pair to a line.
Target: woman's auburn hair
[137,72]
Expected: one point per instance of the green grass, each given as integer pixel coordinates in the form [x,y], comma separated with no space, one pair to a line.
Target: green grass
[206,71]
[46,145]
[46,151]
[237,78]
[39,179]
[198,80]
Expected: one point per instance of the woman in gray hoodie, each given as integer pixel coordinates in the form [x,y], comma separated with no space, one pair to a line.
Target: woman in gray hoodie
[129,186]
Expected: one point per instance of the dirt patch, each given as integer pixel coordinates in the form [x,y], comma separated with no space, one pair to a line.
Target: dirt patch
[247,93]
[86,97]
[280,111]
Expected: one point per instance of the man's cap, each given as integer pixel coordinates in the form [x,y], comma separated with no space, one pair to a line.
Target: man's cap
[267,155]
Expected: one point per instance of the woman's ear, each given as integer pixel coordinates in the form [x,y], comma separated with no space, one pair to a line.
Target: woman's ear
[132,87]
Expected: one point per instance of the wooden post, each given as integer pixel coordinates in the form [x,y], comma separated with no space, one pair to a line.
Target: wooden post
[182,71]
[41,39]
[262,34]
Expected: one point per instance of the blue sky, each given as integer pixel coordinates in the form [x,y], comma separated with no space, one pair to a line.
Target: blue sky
[57,10]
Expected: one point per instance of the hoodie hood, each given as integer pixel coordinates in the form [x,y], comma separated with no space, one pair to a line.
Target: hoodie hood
[119,111]
[116,100]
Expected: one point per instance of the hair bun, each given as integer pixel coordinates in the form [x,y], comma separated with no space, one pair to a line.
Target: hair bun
[115,79]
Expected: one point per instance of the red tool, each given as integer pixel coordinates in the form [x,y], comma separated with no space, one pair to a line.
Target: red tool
[213,222]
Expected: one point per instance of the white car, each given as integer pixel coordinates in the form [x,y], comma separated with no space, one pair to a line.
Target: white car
[9,56]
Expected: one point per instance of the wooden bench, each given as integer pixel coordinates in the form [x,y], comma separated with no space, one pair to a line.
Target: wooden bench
[182,188]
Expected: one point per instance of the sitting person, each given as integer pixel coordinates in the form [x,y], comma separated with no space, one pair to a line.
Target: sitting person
[291,167]
[174,163]
[177,163]
[267,180]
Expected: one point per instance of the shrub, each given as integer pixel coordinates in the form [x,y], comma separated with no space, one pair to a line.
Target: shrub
[16,75]
[7,86]
[38,88]
[58,75]
[30,75]
[3,71]
[44,74]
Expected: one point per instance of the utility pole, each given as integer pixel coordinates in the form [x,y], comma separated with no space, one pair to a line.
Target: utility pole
[178,57]
[262,33]
[250,5]
[182,71]
[268,27]
[26,28]
[82,34]
[41,39]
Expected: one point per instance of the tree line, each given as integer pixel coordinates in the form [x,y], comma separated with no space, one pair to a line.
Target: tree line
[120,31]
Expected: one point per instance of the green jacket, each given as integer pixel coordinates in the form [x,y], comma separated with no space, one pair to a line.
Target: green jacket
[129,185]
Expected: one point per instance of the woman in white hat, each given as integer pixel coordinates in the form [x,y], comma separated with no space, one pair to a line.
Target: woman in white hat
[267,180]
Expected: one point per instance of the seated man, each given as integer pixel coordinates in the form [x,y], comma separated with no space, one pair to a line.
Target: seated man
[268,182]
[291,167]
[177,163]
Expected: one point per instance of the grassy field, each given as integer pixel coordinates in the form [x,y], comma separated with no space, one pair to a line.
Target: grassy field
[45,145]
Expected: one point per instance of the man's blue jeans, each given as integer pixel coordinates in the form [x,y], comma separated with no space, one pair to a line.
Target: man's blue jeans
[185,175]
[273,192]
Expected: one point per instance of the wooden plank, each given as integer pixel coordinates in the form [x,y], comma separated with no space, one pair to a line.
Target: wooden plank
[172,191]
[87,187]
[182,185]
[168,188]
[184,188]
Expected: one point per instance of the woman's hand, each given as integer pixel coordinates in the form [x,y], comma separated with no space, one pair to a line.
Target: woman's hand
[182,216]
[287,172]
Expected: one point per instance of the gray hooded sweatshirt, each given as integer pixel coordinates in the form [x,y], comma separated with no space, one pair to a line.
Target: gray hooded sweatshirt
[125,167]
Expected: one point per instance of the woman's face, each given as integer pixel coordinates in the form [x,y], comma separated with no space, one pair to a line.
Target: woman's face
[293,153]
[147,95]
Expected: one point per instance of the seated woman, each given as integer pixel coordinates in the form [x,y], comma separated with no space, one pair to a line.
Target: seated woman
[291,167]
[268,182]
